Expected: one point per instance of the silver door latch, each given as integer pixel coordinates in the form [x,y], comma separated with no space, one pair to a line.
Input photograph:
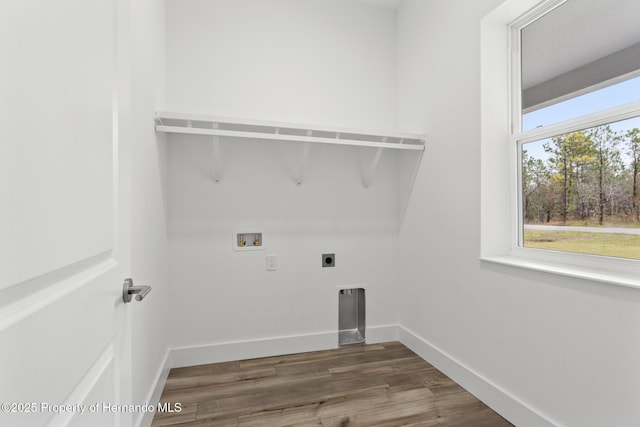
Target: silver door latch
[128,290]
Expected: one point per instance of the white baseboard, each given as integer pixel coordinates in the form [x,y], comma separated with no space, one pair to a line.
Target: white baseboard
[146,418]
[491,394]
[274,346]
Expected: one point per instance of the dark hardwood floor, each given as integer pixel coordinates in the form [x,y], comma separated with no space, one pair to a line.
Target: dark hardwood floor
[371,385]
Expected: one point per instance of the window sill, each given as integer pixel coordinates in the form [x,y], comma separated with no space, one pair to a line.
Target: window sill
[628,280]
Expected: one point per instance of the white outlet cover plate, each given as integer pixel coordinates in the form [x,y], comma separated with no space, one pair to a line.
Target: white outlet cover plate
[272,262]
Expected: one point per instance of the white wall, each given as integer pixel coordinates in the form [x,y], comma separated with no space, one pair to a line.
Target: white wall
[322,62]
[565,348]
[304,61]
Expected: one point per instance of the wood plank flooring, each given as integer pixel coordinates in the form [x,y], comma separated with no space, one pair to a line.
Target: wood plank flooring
[371,385]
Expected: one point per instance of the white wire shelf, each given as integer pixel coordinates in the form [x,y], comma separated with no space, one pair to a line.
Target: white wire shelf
[195,124]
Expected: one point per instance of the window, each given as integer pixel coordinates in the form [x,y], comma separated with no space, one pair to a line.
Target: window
[576,127]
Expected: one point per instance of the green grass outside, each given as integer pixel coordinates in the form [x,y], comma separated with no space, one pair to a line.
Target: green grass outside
[615,245]
[594,223]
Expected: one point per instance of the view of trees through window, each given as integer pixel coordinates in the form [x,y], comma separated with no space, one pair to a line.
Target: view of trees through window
[581,191]
[576,126]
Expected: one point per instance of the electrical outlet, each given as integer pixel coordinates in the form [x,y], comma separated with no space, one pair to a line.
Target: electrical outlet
[328,260]
[272,262]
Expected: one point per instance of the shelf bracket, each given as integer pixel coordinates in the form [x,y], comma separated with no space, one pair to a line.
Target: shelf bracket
[412,180]
[216,160]
[304,158]
[368,178]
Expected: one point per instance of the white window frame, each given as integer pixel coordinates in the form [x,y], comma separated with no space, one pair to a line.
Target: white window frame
[617,271]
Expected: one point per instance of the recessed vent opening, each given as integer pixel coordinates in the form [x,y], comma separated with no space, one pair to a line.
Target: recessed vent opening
[351,316]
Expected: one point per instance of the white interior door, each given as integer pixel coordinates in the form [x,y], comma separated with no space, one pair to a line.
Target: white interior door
[64,344]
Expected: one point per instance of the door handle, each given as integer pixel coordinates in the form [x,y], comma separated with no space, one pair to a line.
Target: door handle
[128,291]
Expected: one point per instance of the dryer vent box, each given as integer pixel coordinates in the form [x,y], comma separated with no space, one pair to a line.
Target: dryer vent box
[351,316]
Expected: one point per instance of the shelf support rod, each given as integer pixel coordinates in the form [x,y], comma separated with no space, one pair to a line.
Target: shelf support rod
[216,160]
[411,183]
[304,158]
[368,179]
